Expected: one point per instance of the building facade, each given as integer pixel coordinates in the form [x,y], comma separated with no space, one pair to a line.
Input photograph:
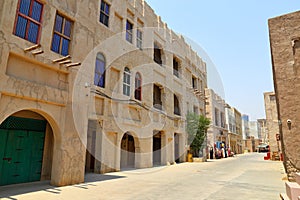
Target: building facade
[285,50]
[234,126]
[247,140]
[92,86]
[253,129]
[263,131]
[215,111]
[272,125]
[245,126]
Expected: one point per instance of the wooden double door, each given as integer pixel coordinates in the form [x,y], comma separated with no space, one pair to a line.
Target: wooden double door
[21,155]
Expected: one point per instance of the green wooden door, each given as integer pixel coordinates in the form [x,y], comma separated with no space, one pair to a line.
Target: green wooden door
[15,161]
[36,157]
[21,155]
[3,139]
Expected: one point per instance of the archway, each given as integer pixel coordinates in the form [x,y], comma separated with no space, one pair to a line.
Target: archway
[157,145]
[26,148]
[176,147]
[127,151]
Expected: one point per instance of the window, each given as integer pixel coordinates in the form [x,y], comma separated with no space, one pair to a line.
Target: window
[129,27]
[28,20]
[272,98]
[176,106]
[216,117]
[195,110]
[99,79]
[296,45]
[194,82]
[104,13]
[222,119]
[61,35]
[139,39]
[126,82]
[176,67]
[157,103]
[157,54]
[138,87]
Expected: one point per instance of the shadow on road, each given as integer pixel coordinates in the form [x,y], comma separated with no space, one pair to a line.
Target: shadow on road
[10,191]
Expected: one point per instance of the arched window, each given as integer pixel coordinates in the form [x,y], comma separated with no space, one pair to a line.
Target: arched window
[126,82]
[176,106]
[99,79]
[138,86]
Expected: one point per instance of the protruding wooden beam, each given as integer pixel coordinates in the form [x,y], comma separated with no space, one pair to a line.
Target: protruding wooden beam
[32,47]
[37,52]
[61,59]
[65,62]
[73,64]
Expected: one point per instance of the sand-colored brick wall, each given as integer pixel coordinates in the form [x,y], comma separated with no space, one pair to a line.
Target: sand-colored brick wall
[284,32]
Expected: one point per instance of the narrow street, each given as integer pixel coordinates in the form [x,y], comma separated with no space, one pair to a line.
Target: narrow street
[243,177]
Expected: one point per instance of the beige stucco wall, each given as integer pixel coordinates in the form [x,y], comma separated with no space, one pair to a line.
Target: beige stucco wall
[63,96]
[216,132]
[272,122]
[284,31]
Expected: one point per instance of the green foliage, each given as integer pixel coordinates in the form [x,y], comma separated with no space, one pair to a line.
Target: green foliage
[196,128]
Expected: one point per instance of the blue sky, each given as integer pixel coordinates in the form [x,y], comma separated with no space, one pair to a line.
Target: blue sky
[234,33]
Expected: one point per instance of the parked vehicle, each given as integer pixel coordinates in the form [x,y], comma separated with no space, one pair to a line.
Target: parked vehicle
[263,148]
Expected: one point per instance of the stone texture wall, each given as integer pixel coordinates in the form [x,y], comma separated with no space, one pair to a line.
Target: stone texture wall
[62,94]
[216,132]
[272,122]
[284,36]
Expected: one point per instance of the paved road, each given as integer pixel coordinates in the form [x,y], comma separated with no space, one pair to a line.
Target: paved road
[243,177]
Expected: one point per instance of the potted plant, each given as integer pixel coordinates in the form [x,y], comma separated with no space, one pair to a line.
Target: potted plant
[197,126]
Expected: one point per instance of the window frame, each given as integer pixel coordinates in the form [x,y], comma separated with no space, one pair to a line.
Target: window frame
[157,51]
[177,110]
[176,72]
[126,81]
[217,114]
[61,35]
[129,31]
[139,39]
[138,86]
[194,82]
[29,19]
[101,75]
[103,13]
[155,103]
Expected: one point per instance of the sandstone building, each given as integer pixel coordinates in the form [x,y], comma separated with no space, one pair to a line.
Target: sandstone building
[234,126]
[285,50]
[215,111]
[272,125]
[92,86]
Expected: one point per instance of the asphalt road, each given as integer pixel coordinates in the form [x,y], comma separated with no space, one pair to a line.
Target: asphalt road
[246,176]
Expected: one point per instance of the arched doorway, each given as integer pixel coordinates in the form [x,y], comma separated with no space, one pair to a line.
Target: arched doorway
[176,148]
[26,148]
[157,146]
[127,151]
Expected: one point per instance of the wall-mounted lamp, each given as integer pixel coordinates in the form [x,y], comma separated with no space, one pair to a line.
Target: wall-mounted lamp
[289,123]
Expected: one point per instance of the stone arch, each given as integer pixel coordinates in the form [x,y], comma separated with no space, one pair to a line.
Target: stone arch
[129,148]
[34,134]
